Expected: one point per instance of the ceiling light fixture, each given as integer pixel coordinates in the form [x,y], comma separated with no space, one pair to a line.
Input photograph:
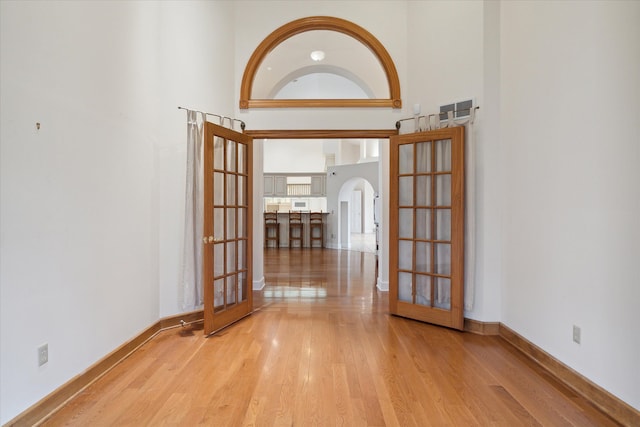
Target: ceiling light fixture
[317,55]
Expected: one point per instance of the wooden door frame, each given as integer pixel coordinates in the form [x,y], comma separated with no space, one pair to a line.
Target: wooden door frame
[323,134]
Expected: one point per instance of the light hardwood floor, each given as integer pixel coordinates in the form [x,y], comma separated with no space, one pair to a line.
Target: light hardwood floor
[321,349]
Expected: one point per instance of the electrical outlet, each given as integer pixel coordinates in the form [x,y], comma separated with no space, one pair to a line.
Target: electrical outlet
[43,354]
[576,334]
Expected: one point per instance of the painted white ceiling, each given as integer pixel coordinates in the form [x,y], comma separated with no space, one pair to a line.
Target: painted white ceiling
[346,60]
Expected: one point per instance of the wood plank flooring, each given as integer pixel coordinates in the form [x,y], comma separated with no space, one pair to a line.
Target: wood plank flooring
[321,350]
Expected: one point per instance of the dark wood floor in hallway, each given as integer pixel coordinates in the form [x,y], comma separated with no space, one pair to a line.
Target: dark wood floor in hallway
[322,350]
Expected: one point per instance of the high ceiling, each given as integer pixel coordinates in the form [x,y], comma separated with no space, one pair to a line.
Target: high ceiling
[345,57]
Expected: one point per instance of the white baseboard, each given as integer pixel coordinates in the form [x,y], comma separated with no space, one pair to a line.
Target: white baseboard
[258,285]
[382,285]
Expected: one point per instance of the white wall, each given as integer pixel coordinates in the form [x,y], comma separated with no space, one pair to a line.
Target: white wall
[321,85]
[569,123]
[452,46]
[308,155]
[341,181]
[349,152]
[367,209]
[192,76]
[92,202]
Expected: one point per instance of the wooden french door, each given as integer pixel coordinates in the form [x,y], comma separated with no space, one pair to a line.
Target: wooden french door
[227,276]
[426,237]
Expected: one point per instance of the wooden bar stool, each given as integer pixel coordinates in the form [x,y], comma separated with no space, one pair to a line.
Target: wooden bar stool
[295,225]
[316,229]
[271,224]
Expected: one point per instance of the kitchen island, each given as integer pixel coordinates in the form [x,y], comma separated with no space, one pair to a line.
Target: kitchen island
[283,220]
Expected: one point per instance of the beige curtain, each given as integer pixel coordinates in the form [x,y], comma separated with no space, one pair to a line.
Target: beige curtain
[193,296]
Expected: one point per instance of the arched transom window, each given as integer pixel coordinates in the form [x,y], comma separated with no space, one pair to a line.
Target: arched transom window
[333,62]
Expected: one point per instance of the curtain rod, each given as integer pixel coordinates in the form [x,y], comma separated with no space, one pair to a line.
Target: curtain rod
[242,124]
[435,114]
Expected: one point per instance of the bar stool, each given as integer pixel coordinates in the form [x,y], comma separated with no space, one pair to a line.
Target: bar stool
[271,223]
[316,229]
[295,224]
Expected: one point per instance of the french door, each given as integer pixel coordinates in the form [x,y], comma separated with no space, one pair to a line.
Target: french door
[426,254]
[227,275]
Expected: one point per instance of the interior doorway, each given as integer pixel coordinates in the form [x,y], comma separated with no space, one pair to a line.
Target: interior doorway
[357,219]
[334,181]
[360,78]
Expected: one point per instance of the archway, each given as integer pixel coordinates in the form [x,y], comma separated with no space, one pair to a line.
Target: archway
[357,226]
[368,42]
[315,23]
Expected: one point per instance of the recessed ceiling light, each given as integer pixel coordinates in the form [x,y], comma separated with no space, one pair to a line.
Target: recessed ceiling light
[317,55]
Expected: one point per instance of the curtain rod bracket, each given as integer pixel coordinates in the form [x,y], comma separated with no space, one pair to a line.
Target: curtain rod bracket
[231,119]
[435,114]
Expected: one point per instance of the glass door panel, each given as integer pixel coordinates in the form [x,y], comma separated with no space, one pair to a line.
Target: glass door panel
[443,224]
[231,223]
[405,161]
[218,154]
[406,191]
[423,190]
[404,287]
[423,223]
[443,190]
[423,257]
[423,157]
[443,155]
[405,249]
[405,223]
[423,289]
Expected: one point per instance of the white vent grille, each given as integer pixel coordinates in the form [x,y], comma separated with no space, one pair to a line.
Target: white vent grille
[460,109]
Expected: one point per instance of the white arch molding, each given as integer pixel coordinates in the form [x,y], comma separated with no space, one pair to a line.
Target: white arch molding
[345,195]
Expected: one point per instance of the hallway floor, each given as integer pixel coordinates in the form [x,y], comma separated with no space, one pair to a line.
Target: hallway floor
[363,242]
[321,349]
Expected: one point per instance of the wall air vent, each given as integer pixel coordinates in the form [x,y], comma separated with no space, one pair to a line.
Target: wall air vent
[460,109]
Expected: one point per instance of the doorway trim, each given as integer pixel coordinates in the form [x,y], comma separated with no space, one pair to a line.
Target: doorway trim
[322,134]
[259,134]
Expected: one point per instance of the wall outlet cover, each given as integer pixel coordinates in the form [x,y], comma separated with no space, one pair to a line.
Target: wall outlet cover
[576,334]
[43,354]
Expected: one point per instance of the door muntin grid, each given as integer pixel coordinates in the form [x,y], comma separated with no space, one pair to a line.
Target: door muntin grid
[424,223]
[230,228]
